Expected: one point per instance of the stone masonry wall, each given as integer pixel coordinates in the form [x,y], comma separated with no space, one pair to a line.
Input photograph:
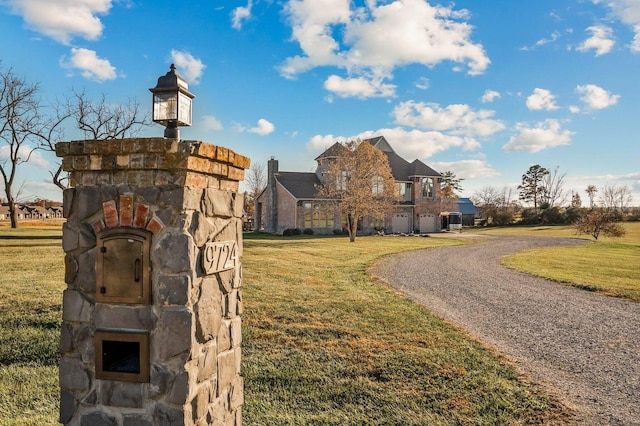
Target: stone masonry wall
[185,194]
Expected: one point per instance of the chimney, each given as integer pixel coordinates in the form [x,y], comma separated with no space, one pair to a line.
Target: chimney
[271,216]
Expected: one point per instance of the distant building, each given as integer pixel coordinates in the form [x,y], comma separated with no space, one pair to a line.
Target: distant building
[469,211]
[291,199]
[37,210]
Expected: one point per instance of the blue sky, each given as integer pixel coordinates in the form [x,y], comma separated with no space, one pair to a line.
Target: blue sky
[482,88]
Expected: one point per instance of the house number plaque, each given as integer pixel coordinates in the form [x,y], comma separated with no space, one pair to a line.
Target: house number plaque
[219,256]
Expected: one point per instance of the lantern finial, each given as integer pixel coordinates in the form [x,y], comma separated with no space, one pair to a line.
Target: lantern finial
[172,103]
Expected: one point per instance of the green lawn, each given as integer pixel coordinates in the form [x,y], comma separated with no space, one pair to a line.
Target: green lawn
[31,285]
[608,265]
[324,344]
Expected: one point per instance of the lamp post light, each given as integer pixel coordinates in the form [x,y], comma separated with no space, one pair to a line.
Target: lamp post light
[172,103]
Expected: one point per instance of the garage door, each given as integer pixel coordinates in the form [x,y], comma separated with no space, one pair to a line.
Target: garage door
[400,222]
[429,223]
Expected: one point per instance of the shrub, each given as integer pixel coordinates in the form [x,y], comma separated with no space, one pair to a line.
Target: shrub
[552,215]
[530,217]
[291,232]
[307,231]
[634,215]
[599,221]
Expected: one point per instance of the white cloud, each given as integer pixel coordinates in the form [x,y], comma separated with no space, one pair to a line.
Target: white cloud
[312,22]
[360,87]
[24,152]
[377,38]
[596,97]
[546,134]
[40,187]
[209,122]
[62,19]
[241,14]
[554,36]
[490,96]
[320,143]
[264,128]
[628,12]
[541,99]
[422,83]
[457,119]
[635,44]
[409,144]
[190,68]
[574,109]
[89,64]
[467,169]
[601,40]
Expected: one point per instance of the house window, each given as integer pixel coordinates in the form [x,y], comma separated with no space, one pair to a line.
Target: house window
[341,181]
[428,187]
[377,185]
[317,215]
[404,190]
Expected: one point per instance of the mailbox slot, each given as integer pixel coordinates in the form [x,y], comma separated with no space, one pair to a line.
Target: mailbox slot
[122,356]
[123,269]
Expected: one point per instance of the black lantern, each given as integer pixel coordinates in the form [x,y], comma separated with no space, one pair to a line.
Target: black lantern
[172,103]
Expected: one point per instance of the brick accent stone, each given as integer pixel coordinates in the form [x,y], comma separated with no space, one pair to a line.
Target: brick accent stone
[126,210]
[155,225]
[111,216]
[142,212]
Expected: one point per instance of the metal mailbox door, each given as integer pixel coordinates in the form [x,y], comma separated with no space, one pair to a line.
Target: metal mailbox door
[123,269]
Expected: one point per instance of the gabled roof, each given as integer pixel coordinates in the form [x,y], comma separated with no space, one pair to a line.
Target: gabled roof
[418,168]
[333,151]
[401,169]
[466,206]
[301,185]
[381,143]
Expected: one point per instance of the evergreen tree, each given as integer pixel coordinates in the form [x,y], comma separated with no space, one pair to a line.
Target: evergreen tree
[532,188]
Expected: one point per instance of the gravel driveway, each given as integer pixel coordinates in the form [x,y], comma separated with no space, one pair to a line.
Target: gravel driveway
[581,346]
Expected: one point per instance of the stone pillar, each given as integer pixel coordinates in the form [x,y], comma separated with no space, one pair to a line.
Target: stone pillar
[184,196]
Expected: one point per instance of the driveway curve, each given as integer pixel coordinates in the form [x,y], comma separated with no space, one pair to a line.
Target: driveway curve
[583,347]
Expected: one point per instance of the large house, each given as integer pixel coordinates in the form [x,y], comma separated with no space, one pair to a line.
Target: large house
[291,199]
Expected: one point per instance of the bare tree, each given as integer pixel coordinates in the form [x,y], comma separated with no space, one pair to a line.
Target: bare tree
[20,123]
[256,181]
[100,120]
[359,179]
[599,221]
[616,198]
[624,197]
[497,207]
[97,120]
[591,192]
[553,188]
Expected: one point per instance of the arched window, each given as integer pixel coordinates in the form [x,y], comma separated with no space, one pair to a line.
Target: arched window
[428,188]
